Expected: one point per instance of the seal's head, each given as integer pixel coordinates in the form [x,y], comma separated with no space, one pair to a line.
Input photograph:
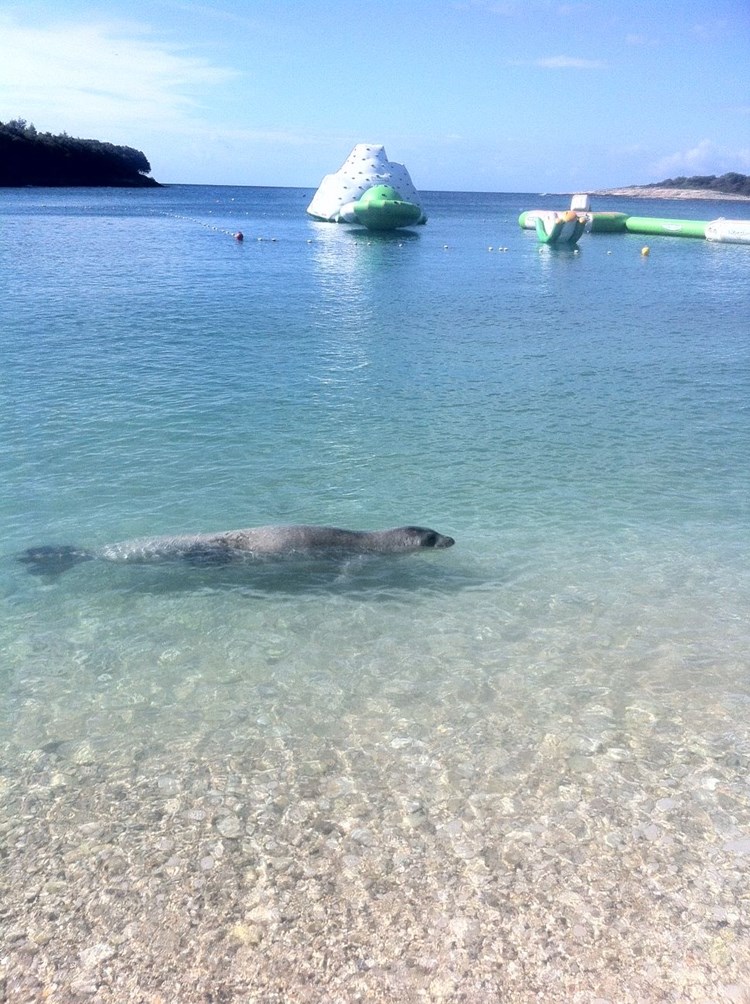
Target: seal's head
[423,536]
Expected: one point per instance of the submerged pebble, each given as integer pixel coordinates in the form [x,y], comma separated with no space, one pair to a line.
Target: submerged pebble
[229,827]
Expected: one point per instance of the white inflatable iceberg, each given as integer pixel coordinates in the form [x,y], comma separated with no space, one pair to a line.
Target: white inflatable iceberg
[368,189]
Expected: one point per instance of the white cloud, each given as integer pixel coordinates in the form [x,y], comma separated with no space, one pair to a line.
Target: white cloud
[703,158]
[712,30]
[570,63]
[78,77]
[697,158]
[510,9]
[574,9]
[560,63]
[640,40]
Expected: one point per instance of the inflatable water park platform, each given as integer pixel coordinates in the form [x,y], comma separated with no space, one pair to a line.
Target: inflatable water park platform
[553,227]
[369,190]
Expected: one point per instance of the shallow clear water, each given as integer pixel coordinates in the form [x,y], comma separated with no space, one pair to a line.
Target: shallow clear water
[579,422]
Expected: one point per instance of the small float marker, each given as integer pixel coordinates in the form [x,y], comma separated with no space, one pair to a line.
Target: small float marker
[646,252]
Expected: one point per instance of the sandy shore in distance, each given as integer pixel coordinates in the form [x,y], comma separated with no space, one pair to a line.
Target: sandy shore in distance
[674,193]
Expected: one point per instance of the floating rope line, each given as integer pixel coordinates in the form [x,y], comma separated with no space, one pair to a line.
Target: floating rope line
[237,235]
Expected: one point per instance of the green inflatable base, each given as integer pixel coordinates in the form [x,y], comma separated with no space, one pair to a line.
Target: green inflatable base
[665,228]
[608,223]
[382,208]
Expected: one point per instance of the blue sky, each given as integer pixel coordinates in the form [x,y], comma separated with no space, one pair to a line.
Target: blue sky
[472,95]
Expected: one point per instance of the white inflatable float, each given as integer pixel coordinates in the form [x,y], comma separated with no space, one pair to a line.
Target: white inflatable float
[368,189]
[728,231]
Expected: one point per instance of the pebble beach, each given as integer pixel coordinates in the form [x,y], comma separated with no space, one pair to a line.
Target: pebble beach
[375,854]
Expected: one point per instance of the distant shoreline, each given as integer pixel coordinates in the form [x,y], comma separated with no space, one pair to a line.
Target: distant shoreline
[674,193]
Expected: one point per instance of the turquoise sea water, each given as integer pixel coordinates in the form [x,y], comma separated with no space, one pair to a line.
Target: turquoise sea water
[579,422]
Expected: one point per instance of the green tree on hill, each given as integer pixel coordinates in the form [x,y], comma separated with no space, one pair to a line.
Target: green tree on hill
[28,157]
[730,183]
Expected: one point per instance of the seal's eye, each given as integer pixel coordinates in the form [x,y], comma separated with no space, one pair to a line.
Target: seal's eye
[429,540]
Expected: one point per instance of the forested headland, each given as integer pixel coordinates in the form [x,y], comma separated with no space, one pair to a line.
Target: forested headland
[730,183]
[28,157]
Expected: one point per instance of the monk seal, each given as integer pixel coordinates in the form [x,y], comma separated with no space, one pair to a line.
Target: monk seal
[259,543]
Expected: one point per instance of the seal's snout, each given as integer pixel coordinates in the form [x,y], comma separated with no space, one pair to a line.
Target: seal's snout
[431,538]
